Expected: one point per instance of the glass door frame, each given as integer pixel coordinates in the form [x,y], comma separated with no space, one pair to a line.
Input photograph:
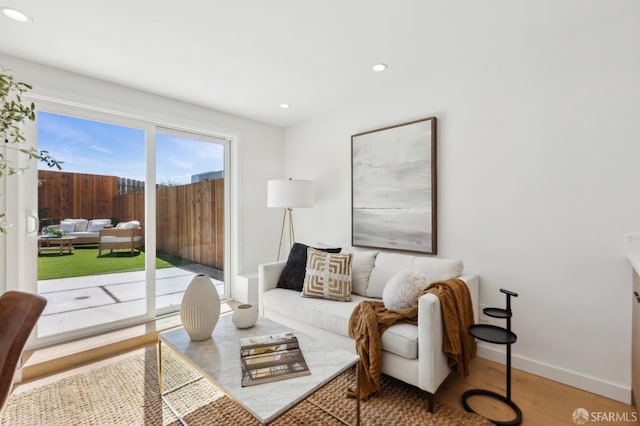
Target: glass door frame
[25,201]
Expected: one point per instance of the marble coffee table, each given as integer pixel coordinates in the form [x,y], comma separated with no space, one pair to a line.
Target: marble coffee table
[218,359]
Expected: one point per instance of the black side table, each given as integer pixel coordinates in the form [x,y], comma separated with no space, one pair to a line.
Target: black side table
[500,336]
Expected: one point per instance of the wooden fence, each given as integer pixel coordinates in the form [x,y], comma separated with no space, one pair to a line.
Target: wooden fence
[189,221]
[77,195]
[189,218]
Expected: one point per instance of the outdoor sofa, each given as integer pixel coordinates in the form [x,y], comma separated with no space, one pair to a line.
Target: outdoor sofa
[85,231]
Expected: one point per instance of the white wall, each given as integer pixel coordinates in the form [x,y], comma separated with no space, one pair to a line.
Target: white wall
[538,173]
[258,150]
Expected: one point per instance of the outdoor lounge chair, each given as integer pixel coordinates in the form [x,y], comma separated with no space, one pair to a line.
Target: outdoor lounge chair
[126,235]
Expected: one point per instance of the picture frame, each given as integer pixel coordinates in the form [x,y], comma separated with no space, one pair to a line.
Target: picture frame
[393,187]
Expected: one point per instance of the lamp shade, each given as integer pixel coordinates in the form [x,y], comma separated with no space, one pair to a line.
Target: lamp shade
[290,193]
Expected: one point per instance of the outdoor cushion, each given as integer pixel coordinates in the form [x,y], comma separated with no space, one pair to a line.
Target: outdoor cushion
[67,226]
[84,234]
[128,225]
[112,239]
[81,224]
[97,224]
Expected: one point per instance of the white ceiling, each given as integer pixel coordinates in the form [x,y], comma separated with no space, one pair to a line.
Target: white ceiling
[246,57]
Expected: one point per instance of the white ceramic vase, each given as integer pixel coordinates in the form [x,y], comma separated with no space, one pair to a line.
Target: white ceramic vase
[200,308]
[245,316]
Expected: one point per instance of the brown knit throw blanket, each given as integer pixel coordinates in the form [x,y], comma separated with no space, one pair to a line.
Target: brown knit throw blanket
[370,319]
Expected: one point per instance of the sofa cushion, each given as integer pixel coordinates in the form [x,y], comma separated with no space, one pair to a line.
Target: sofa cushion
[81,224]
[114,239]
[400,338]
[389,264]
[84,235]
[361,265]
[328,275]
[67,226]
[96,225]
[292,276]
[132,224]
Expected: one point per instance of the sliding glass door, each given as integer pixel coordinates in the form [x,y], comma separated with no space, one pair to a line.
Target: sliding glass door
[136,211]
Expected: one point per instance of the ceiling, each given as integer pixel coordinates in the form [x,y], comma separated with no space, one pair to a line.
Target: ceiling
[246,57]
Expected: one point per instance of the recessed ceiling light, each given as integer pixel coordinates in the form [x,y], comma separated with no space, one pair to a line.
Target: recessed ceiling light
[379,67]
[16,15]
[285,106]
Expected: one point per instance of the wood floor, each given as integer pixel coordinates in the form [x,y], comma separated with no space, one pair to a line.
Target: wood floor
[543,402]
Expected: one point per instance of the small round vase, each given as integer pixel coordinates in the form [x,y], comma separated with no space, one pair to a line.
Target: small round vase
[200,308]
[245,316]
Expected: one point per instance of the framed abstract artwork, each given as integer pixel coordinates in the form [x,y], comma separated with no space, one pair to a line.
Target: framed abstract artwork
[393,187]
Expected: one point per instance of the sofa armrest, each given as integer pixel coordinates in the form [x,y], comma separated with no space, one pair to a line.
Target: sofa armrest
[268,275]
[473,283]
[429,342]
[433,367]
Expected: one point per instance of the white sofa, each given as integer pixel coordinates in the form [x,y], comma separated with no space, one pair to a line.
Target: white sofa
[411,353]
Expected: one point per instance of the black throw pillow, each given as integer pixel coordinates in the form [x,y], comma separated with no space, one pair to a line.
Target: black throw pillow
[292,276]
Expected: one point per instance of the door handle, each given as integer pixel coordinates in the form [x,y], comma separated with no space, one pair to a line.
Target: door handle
[33,221]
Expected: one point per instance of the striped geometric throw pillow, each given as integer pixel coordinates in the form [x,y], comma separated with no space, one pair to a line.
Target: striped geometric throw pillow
[328,275]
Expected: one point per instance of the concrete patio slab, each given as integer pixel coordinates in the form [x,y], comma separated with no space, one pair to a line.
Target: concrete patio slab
[126,292]
[74,320]
[74,300]
[80,302]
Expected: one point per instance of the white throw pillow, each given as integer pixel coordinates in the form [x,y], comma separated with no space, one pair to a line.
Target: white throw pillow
[67,226]
[97,224]
[128,225]
[403,288]
[81,224]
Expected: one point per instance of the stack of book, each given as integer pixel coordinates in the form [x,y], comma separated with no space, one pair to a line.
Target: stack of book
[271,357]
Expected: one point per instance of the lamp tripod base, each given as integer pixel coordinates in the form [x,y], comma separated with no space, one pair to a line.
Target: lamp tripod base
[287,214]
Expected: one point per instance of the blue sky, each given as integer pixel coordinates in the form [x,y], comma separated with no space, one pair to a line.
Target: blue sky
[93,147]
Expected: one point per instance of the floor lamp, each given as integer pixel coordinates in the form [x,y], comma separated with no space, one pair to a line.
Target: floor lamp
[287,195]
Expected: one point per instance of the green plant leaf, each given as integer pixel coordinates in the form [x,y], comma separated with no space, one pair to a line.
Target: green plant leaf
[13,114]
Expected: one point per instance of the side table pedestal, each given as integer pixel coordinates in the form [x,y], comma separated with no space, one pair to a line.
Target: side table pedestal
[501,336]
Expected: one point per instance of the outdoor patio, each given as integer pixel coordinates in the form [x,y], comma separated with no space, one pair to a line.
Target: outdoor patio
[96,289]
[82,302]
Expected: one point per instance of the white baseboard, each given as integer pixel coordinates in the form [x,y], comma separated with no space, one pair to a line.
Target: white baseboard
[567,377]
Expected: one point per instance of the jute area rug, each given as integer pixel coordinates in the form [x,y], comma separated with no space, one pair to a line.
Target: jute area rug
[126,393]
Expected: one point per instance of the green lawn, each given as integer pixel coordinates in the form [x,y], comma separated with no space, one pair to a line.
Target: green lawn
[85,261]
